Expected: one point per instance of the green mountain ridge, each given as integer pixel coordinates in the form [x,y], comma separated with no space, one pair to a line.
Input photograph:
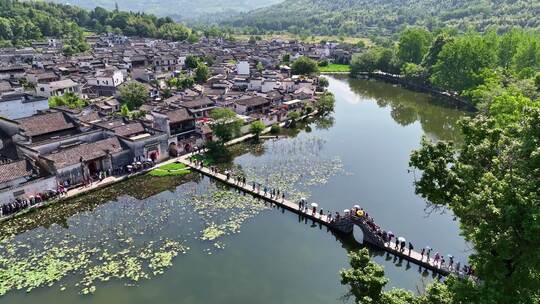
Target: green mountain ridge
[176,9]
[364,17]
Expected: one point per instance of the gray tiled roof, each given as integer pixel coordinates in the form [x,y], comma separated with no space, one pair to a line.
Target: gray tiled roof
[87,151]
[44,123]
[15,170]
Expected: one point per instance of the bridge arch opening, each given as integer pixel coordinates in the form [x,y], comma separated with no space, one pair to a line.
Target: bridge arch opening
[358,234]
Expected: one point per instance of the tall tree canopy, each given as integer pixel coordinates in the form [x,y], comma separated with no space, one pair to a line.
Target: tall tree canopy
[304,66]
[413,44]
[133,94]
[492,184]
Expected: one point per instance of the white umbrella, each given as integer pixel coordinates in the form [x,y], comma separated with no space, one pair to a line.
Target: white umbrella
[314,205]
[303,199]
[346,211]
[356,207]
[401,239]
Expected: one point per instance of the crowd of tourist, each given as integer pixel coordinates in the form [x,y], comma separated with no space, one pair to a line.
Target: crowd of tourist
[19,204]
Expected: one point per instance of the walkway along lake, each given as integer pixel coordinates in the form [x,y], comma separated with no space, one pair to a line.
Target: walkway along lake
[239,254]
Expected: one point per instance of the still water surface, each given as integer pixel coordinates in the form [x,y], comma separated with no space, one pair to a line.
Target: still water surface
[359,156]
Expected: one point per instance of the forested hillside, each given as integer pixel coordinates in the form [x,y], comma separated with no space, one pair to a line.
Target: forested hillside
[176,9]
[364,17]
[22,22]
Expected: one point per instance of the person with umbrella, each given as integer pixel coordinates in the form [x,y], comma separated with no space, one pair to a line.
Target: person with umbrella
[401,241]
[390,236]
[314,208]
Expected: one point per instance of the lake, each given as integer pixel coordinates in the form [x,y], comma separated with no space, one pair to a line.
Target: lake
[192,240]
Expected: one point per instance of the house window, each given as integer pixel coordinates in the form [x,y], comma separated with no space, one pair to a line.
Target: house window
[42,89]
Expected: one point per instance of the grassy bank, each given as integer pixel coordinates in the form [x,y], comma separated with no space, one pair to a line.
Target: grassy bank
[173,169]
[335,68]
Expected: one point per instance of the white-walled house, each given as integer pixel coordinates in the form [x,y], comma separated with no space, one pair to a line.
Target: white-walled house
[242,68]
[268,85]
[109,78]
[255,84]
[57,88]
[20,105]
[106,81]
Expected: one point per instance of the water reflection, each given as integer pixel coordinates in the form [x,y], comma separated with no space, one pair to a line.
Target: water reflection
[408,107]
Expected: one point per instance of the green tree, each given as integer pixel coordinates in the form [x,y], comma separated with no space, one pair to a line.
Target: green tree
[226,124]
[509,44]
[323,82]
[304,66]
[508,108]
[286,58]
[124,111]
[69,100]
[191,62]
[414,43]
[257,127]
[527,55]
[252,40]
[202,72]
[383,59]
[432,56]
[491,184]
[365,278]
[133,94]
[461,61]
[259,67]
[325,103]
[413,71]
[174,32]
[193,38]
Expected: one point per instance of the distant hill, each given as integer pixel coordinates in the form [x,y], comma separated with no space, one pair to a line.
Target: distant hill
[364,17]
[176,9]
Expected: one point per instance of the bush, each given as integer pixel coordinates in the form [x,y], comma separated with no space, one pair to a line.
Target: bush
[275,129]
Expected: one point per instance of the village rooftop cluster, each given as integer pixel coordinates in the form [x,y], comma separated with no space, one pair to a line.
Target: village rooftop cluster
[44,147]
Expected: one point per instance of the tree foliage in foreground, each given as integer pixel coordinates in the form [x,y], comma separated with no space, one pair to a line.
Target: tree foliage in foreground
[492,184]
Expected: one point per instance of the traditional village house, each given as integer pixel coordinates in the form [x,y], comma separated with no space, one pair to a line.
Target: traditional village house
[58,88]
[17,105]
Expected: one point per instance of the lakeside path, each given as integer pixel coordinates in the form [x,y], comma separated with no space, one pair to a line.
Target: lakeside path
[111,180]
